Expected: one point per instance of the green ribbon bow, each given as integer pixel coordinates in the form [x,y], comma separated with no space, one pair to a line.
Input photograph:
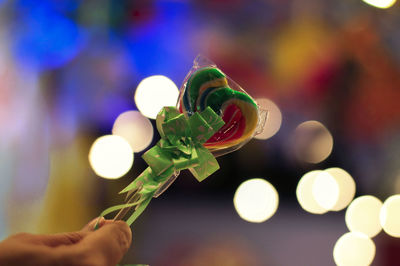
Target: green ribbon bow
[180,147]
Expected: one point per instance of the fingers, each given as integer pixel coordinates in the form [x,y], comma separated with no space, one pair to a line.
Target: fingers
[105,246]
[62,238]
[55,240]
[59,239]
[49,240]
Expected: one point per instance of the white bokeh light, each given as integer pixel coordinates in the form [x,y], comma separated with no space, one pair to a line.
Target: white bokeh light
[312,142]
[362,215]
[390,216]
[274,118]
[380,3]
[111,156]
[304,193]
[325,190]
[347,187]
[354,249]
[256,200]
[134,128]
[155,92]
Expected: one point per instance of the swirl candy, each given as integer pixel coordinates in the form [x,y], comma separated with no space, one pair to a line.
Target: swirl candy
[208,86]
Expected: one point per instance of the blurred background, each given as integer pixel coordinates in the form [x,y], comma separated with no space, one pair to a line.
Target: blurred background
[69,68]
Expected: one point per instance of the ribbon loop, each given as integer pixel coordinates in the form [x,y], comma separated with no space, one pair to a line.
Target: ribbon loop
[181,143]
[175,128]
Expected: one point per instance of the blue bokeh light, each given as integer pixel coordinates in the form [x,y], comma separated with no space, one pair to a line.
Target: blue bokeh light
[43,36]
[164,45]
[98,85]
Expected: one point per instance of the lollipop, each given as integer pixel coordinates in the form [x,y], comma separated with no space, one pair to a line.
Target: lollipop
[208,86]
[213,116]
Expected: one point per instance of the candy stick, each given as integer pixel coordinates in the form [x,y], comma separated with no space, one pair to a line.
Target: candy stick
[133,196]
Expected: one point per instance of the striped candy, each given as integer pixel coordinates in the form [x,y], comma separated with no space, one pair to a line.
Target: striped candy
[209,87]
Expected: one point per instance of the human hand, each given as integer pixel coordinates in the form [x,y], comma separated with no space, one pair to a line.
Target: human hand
[102,247]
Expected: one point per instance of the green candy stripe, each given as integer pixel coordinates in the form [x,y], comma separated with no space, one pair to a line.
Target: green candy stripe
[216,98]
[209,77]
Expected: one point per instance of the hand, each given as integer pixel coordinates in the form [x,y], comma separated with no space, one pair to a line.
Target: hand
[104,246]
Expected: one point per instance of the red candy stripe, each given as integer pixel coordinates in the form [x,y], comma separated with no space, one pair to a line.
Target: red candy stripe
[235,124]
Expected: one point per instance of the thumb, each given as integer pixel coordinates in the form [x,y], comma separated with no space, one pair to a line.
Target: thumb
[69,238]
[106,245]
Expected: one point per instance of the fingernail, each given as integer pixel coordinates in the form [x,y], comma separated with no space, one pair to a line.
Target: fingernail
[99,223]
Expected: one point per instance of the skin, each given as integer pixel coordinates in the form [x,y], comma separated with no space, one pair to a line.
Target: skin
[87,247]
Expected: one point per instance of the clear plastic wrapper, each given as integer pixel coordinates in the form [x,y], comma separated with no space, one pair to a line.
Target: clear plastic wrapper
[206,85]
[213,105]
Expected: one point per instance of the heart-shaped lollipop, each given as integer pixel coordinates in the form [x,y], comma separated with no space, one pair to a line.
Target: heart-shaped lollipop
[207,97]
[208,86]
